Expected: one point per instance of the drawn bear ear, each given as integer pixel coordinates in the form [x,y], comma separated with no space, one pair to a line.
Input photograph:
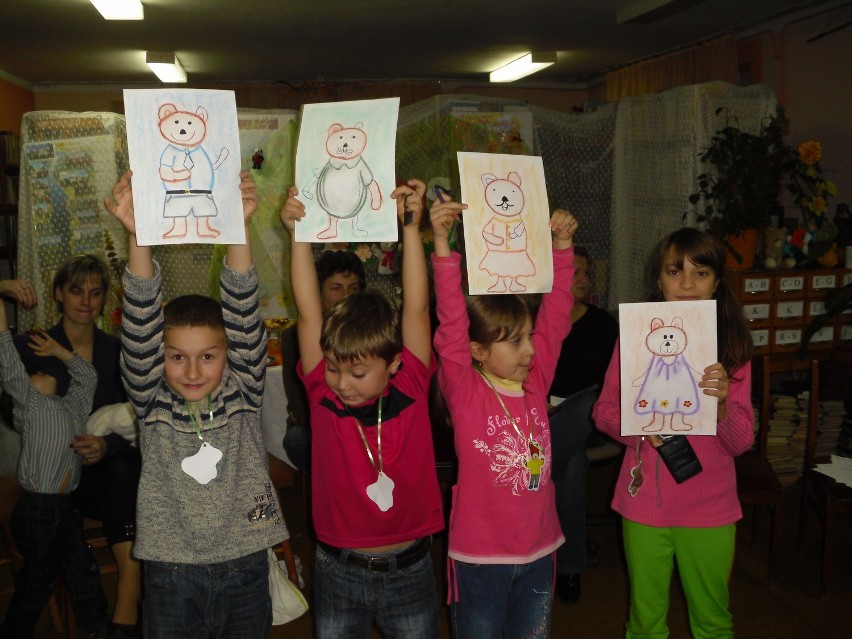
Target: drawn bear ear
[514,178]
[359,125]
[201,112]
[677,322]
[166,110]
[656,323]
[488,178]
[334,128]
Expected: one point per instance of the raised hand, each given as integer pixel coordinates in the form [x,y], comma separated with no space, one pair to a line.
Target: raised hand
[120,205]
[292,211]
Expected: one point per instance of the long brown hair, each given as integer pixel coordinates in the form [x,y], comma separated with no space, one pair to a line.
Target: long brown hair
[734,339]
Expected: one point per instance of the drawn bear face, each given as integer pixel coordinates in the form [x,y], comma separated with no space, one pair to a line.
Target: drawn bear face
[345,144]
[183,128]
[504,197]
[666,340]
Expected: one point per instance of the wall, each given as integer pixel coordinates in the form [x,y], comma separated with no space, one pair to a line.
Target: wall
[812,82]
[14,102]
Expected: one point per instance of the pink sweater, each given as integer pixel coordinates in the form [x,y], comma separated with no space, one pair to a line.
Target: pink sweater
[503,504]
[705,500]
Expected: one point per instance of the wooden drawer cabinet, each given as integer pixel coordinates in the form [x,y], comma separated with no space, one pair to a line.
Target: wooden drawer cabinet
[780,304]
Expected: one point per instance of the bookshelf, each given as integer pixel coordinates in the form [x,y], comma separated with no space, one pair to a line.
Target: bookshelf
[9,176]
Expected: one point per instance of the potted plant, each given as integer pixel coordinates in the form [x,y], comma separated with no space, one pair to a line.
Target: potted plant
[740,189]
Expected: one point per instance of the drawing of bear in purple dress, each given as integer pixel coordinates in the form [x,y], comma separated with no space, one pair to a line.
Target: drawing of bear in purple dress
[668,386]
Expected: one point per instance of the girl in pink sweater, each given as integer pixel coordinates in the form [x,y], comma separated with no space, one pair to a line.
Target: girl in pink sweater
[495,374]
[693,521]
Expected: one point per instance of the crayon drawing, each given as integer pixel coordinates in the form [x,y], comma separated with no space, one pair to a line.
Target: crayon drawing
[665,347]
[345,171]
[507,237]
[185,155]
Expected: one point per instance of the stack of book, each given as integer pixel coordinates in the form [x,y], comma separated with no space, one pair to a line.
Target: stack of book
[785,444]
[832,414]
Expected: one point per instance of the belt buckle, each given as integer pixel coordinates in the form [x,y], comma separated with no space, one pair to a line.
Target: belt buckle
[377,564]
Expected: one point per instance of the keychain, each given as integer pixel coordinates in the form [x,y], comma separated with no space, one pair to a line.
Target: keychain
[636,472]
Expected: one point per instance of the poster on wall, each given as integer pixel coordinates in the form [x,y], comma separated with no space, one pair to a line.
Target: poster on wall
[506,225]
[345,170]
[665,347]
[184,150]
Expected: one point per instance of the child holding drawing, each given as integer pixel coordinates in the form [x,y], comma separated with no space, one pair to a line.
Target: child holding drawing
[495,374]
[693,521]
[366,366]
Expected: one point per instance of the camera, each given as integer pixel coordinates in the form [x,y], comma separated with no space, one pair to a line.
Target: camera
[679,457]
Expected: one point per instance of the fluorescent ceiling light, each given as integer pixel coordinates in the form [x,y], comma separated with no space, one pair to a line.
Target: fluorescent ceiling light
[523,66]
[165,64]
[120,9]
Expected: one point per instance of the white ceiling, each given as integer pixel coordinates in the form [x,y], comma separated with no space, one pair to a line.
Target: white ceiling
[64,42]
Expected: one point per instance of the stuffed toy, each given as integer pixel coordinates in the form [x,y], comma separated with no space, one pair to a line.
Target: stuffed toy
[774,240]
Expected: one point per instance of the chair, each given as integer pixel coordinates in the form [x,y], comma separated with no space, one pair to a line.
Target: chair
[829,380]
[9,491]
[757,483]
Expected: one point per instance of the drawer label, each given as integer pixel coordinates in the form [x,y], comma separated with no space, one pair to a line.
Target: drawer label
[796,283]
[757,285]
[788,336]
[787,310]
[824,281]
[760,338]
[756,311]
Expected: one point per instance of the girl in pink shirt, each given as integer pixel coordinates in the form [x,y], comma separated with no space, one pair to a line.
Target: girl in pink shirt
[495,374]
[693,521]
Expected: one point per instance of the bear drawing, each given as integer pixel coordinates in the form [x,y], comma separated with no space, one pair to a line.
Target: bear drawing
[187,172]
[668,386]
[345,182]
[505,234]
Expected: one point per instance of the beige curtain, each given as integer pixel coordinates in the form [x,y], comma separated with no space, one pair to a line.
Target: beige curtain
[713,60]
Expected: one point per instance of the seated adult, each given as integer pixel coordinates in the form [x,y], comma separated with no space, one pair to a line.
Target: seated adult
[111,465]
[340,274]
[579,377]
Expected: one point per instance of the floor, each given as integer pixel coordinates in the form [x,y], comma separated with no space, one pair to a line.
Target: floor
[791,611]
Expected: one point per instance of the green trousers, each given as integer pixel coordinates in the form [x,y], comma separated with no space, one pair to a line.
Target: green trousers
[704,559]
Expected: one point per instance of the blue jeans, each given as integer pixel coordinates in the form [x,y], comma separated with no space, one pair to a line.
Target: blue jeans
[229,600]
[48,530]
[502,600]
[348,599]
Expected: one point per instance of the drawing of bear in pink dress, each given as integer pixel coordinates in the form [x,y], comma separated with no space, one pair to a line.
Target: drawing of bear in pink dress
[668,386]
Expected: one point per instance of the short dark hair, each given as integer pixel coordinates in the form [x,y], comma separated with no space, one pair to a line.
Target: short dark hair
[365,324]
[334,262]
[77,270]
[193,310]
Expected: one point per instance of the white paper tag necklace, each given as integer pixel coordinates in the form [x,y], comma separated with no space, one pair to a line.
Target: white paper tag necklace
[381,491]
[202,465]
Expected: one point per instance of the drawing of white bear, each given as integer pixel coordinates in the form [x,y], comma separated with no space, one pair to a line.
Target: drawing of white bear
[345,182]
[187,172]
[668,386]
[505,234]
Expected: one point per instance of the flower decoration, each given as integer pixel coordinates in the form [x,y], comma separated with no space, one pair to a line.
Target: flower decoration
[363,252]
[810,190]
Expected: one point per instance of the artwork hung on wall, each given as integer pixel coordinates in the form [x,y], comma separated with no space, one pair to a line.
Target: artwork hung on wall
[506,232]
[345,171]
[184,149]
[665,347]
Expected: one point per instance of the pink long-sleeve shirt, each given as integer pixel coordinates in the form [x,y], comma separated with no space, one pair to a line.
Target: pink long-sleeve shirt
[706,500]
[503,504]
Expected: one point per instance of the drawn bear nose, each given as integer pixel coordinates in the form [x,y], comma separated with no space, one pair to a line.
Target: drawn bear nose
[346,145]
[183,131]
[505,199]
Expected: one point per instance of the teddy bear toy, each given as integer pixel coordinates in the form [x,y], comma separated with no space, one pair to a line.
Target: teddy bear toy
[773,253]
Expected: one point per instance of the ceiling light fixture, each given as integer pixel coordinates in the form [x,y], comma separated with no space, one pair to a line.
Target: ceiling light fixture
[523,66]
[165,64]
[120,9]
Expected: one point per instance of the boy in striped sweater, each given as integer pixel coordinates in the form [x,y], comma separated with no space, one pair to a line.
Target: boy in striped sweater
[207,510]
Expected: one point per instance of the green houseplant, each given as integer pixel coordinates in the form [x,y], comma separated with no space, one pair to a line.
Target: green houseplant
[742,183]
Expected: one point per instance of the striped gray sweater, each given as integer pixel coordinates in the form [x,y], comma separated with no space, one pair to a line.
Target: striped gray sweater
[237,513]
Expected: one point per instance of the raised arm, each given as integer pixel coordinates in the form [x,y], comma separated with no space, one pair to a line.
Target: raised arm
[305,285]
[416,330]
[140,260]
[239,256]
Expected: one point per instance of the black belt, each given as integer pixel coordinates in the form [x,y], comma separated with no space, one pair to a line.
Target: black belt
[382,563]
[187,191]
